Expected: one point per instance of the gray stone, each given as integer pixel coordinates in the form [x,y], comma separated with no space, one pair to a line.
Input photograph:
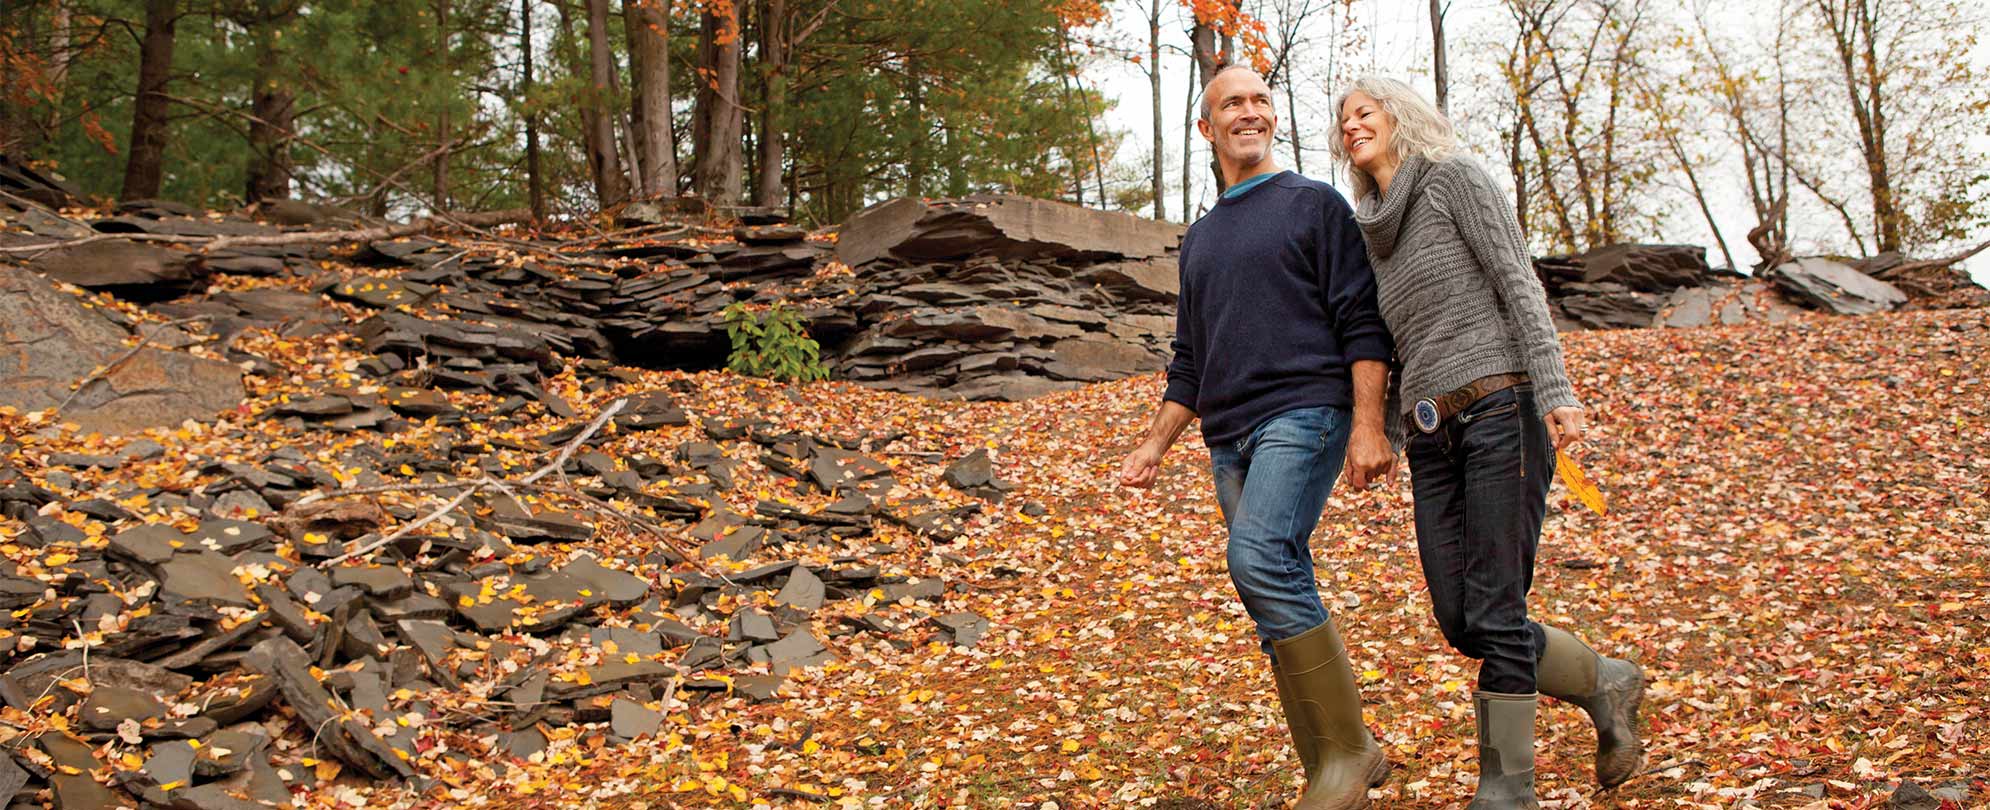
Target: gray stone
[230,536]
[627,641]
[797,649]
[630,720]
[1157,279]
[803,591]
[150,544]
[117,263]
[433,640]
[976,469]
[966,628]
[758,688]
[381,581]
[107,706]
[1911,796]
[349,739]
[1834,287]
[202,577]
[1008,226]
[49,341]
[752,625]
[12,779]
[228,751]
[1646,268]
[167,764]
[618,587]
[239,503]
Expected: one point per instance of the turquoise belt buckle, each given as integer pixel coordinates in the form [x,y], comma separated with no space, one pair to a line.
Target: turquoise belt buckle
[1425,412]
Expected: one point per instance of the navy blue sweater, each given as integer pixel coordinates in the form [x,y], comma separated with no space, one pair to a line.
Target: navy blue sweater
[1277,303]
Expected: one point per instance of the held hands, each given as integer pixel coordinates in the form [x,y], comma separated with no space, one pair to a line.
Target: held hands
[1369,457]
[1141,466]
[1565,426]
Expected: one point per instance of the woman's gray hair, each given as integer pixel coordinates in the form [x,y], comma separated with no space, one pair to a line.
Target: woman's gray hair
[1420,130]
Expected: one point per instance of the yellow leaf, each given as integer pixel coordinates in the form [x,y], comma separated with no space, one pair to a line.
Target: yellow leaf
[1579,484]
[327,770]
[1070,746]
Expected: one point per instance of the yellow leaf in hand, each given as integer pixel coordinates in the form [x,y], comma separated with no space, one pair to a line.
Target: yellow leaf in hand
[1579,483]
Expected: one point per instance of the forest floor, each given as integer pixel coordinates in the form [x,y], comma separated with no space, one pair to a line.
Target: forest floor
[1795,550]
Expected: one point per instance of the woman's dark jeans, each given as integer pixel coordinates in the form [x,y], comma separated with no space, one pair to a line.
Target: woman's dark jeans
[1481,483]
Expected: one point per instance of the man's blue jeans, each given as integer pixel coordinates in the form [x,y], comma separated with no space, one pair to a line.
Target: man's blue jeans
[1271,486]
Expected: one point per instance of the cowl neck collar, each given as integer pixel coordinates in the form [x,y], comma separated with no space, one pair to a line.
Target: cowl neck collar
[1381,218]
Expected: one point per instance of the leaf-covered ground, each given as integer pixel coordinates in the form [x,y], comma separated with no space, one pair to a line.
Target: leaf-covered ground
[1795,550]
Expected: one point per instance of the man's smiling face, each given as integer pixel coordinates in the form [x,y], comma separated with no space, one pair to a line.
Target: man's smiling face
[1241,119]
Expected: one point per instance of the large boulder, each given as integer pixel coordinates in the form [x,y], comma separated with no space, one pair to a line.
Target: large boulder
[1835,287]
[121,265]
[49,340]
[1644,268]
[1002,225]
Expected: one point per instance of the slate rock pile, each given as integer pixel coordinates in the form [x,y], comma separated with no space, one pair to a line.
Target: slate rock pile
[1635,286]
[233,627]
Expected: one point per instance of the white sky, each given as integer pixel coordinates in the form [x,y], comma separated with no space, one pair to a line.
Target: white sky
[1398,44]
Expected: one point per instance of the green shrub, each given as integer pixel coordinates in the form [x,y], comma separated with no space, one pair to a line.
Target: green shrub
[775,345]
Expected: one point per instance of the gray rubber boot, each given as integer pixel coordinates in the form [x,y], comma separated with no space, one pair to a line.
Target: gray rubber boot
[1506,752]
[1304,745]
[1316,672]
[1609,689]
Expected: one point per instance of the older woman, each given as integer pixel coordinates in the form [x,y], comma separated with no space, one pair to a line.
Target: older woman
[1491,406]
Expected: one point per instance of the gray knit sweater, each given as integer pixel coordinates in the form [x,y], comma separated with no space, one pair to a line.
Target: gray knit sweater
[1457,287]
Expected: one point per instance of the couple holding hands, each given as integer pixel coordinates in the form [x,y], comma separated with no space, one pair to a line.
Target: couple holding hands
[1292,308]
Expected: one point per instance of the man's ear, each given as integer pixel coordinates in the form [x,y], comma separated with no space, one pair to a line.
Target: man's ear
[1202,126]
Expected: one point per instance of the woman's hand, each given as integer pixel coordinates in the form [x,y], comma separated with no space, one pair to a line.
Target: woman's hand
[1565,426]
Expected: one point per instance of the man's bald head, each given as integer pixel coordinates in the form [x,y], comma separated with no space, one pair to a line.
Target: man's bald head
[1225,69]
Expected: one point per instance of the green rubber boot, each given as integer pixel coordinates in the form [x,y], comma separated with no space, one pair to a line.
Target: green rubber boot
[1323,704]
[1506,752]
[1609,689]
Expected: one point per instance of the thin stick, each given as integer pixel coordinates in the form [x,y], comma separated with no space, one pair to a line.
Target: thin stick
[209,244]
[475,486]
[143,341]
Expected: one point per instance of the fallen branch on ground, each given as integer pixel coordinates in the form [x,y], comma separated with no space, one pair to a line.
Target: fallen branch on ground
[473,487]
[1945,261]
[214,243]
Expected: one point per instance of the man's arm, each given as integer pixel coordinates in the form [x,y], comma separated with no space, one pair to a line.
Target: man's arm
[1364,340]
[1369,456]
[1143,465]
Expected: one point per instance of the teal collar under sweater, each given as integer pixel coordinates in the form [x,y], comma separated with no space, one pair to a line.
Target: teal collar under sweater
[1249,183]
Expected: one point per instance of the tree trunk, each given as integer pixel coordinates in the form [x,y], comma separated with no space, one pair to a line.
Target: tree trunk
[535,184]
[610,185]
[1203,38]
[1291,105]
[649,82]
[1154,88]
[59,57]
[1188,143]
[1437,56]
[774,46]
[439,180]
[271,104]
[144,165]
[915,162]
[717,116]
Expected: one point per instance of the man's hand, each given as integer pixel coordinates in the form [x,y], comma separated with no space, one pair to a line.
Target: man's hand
[1565,426]
[1369,457]
[1141,466]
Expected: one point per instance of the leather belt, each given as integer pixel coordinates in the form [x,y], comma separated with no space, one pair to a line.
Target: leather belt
[1430,413]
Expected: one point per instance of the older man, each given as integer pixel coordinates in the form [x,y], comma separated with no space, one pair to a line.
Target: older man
[1281,350]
